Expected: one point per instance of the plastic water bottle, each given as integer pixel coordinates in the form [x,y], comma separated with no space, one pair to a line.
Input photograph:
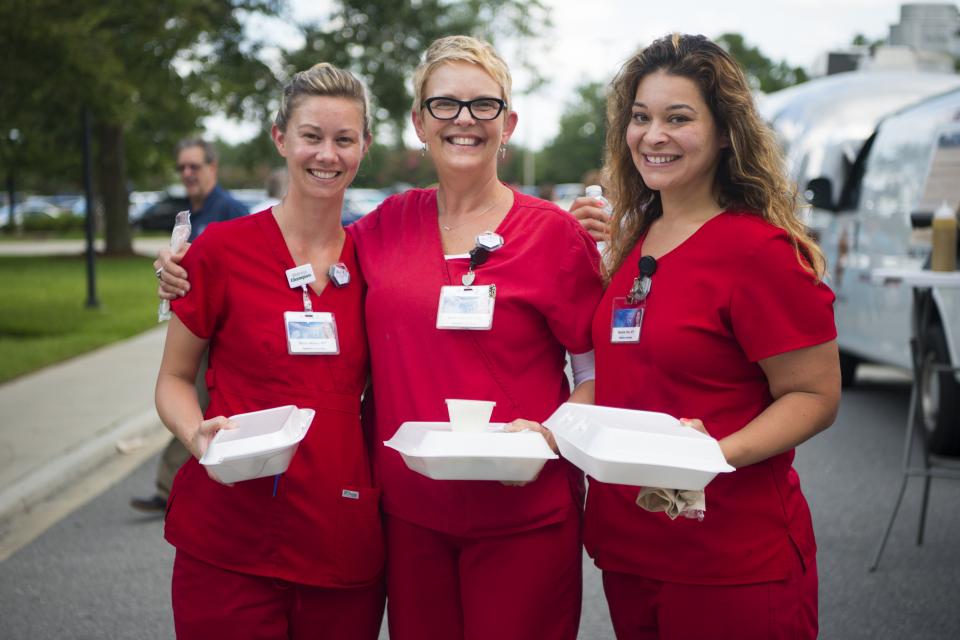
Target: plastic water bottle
[178,238]
[595,191]
[944,256]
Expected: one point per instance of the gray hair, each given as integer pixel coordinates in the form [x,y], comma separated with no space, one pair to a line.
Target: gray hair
[209,152]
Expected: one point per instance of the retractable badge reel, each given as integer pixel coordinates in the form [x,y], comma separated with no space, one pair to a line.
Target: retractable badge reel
[627,315]
[469,306]
[309,332]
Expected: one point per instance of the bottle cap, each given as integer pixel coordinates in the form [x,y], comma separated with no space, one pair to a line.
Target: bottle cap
[943,211]
[594,191]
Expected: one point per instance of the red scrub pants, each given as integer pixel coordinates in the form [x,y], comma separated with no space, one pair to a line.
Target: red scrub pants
[517,586]
[643,609]
[210,602]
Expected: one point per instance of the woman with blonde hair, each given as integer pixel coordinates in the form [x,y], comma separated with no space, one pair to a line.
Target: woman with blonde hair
[476,559]
[299,554]
[735,330]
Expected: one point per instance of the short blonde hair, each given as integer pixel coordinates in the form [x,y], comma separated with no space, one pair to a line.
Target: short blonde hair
[461,49]
[322,79]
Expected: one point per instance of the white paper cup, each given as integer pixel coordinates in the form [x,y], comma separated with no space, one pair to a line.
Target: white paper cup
[469,415]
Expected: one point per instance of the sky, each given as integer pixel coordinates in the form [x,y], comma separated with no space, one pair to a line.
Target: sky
[589,41]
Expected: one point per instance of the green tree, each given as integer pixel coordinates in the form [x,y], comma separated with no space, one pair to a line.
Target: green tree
[578,146]
[147,71]
[382,41]
[862,40]
[764,74]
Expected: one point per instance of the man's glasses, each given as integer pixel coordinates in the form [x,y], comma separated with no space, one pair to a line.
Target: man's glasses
[450,108]
[192,166]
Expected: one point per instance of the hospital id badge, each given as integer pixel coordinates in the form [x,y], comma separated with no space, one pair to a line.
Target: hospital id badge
[311,334]
[466,307]
[625,321]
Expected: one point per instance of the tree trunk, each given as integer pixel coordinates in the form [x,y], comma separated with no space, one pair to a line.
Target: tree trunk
[112,178]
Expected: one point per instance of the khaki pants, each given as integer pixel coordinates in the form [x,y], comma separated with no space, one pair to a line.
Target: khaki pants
[175,454]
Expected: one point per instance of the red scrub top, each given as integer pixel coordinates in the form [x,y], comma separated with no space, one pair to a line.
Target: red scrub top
[548,283]
[323,526]
[732,294]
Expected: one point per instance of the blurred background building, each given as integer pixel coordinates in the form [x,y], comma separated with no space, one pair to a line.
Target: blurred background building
[927,38]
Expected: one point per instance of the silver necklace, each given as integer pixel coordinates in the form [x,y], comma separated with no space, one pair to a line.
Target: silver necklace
[440,211]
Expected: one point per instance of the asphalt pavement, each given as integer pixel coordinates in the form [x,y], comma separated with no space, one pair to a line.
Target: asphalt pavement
[104,570]
[78,439]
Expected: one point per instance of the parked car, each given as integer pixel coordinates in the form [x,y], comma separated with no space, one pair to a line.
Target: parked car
[140,201]
[252,199]
[161,215]
[566,192]
[358,202]
[881,219]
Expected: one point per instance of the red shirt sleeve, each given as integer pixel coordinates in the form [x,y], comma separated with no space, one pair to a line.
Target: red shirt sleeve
[205,262]
[778,306]
[579,287]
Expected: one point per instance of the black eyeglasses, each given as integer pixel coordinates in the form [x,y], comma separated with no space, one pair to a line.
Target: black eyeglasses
[194,167]
[479,108]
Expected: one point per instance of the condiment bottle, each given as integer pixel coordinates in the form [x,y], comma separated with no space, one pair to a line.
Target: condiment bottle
[944,257]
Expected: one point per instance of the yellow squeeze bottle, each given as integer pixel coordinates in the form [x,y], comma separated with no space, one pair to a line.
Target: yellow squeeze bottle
[944,256]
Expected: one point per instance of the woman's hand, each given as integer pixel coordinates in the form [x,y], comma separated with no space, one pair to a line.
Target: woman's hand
[592,217]
[694,423]
[172,277]
[529,425]
[204,434]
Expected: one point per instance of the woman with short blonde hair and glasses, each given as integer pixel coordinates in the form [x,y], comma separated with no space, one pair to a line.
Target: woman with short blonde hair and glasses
[476,559]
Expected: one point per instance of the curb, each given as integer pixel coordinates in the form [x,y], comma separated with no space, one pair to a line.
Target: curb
[27,492]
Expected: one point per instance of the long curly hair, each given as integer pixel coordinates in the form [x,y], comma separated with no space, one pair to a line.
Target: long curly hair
[750,174]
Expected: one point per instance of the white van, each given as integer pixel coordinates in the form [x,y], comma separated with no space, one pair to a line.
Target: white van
[877,216]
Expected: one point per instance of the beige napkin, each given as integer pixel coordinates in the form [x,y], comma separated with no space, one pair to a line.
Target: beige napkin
[690,504]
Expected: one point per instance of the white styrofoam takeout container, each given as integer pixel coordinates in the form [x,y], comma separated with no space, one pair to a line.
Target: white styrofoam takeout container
[434,450]
[261,445]
[639,448]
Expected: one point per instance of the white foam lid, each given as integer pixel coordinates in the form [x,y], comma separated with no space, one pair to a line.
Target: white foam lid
[636,447]
[436,440]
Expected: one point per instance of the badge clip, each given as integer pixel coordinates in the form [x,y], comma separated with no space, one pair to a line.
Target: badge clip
[478,255]
[339,275]
[644,281]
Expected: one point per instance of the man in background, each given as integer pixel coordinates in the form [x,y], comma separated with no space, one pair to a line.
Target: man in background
[197,168]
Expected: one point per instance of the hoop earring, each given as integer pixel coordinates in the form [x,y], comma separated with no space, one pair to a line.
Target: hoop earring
[503,151]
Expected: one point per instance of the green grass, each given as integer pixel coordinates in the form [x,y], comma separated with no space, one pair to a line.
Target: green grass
[44,319]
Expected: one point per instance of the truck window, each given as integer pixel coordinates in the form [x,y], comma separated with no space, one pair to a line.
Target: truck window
[897,165]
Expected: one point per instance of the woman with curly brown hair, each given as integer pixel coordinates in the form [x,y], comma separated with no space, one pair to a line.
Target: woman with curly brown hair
[736,329]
